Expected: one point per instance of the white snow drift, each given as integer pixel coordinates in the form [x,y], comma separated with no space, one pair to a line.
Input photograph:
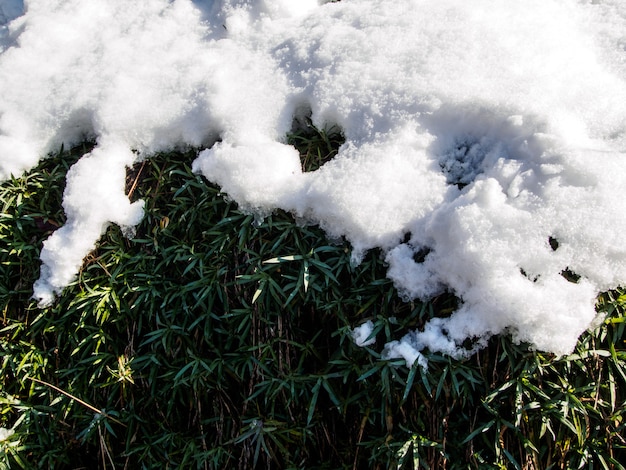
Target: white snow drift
[493,132]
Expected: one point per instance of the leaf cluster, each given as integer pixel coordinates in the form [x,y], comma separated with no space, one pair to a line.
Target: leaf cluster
[213,339]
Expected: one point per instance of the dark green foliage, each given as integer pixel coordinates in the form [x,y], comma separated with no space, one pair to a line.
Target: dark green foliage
[214,340]
[316,146]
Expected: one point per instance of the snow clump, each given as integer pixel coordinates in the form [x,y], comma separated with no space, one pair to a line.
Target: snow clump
[362,334]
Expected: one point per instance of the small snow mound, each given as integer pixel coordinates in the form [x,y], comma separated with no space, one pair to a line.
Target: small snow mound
[362,335]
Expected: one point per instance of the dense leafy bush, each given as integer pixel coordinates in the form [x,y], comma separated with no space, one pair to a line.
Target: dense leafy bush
[209,339]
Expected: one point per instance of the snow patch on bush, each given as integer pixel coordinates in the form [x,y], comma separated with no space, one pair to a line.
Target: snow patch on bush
[362,334]
[493,132]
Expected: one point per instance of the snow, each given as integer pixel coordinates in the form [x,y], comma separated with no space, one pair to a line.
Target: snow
[93,198]
[486,137]
[5,434]
[362,334]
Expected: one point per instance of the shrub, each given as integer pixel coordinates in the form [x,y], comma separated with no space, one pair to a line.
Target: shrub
[210,339]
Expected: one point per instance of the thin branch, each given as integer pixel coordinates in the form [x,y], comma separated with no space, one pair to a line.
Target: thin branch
[82,402]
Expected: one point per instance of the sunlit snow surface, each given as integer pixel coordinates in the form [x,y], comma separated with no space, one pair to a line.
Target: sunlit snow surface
[493,132]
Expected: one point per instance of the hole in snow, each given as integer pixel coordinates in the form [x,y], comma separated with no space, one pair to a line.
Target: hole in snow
[420,255]
[463,162]
[316,146]
[554,243]
[570,275]
[444,305]
[470,141]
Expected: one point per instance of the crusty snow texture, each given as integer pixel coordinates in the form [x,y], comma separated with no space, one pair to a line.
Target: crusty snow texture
[485,144]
